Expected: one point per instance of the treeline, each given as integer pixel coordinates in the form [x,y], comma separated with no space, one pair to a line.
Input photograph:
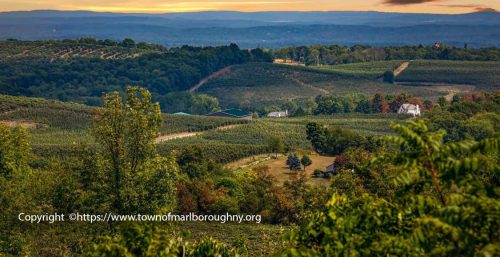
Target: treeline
[335,54]
[350,103]
[127,42]
[85,79]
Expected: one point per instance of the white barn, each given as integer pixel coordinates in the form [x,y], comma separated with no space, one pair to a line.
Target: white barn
[411,109]
[278,114]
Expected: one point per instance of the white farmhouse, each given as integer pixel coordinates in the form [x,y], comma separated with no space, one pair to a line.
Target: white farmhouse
[278,114]
[411,109]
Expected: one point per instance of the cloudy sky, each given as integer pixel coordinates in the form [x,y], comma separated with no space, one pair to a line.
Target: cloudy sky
[161,6]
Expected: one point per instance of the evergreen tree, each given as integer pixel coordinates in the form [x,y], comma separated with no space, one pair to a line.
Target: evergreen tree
[305,161]
[293,162]
[389,77]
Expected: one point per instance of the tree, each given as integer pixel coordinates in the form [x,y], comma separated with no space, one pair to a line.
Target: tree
[398,100]
[203,104]
[379,104]
[442,101]
[293,162]
[126,131]
[15,150]
[276,145]
[334,140]
[128,42]
[305,161]
[389,77]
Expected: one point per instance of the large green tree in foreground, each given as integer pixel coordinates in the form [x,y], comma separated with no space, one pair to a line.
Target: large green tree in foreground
[446,204]
[141,180]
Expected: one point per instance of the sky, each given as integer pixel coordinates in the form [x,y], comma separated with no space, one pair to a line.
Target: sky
[165,6]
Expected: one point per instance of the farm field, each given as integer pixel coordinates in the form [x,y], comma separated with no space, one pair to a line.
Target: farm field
[254,85]
[484,75]
[64,50]
[367,70]
[58,124]
[251,139]
[280,171]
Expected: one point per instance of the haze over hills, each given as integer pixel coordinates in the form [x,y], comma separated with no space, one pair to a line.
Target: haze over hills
[266,29]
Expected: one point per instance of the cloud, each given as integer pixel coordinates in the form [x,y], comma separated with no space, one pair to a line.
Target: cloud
[407,2]
[474,7]
[485,9]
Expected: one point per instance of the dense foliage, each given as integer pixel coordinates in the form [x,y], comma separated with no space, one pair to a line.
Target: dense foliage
[84,79]
[471,116]
[445,203]
[335,54]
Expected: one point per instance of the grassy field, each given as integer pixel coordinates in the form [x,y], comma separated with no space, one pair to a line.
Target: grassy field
[278,168]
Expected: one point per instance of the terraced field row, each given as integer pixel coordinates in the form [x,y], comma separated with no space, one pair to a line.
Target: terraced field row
[61,50]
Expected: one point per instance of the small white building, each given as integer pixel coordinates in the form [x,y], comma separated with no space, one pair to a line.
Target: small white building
[278,114]
[411,109]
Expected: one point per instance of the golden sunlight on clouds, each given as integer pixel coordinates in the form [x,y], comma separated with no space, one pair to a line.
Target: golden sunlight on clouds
[162,6]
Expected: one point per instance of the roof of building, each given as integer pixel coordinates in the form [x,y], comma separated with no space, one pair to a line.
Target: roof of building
[181,113]
[409,107]
[284,113]
[232,112]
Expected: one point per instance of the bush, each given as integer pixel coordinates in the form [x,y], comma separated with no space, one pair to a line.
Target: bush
[317,173]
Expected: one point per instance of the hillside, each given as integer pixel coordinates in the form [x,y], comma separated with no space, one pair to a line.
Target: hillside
[56,126]
[48,69]
[54,50]
[266,29]
[484,75]
[255,85]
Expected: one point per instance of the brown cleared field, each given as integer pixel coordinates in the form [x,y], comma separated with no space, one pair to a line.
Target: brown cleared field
[280,171]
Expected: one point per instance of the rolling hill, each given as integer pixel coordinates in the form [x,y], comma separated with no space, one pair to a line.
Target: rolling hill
[267,29]
[255,85]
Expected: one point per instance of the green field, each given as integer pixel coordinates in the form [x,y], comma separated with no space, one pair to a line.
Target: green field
[57,127]
[258,84]
[482,74]
[251,139]
[367,70]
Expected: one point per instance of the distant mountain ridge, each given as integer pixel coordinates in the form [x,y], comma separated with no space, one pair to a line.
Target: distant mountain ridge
[268,29]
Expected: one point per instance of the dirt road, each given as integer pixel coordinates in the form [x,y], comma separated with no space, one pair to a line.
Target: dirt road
[172,136]
[401,68]
[212,76]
